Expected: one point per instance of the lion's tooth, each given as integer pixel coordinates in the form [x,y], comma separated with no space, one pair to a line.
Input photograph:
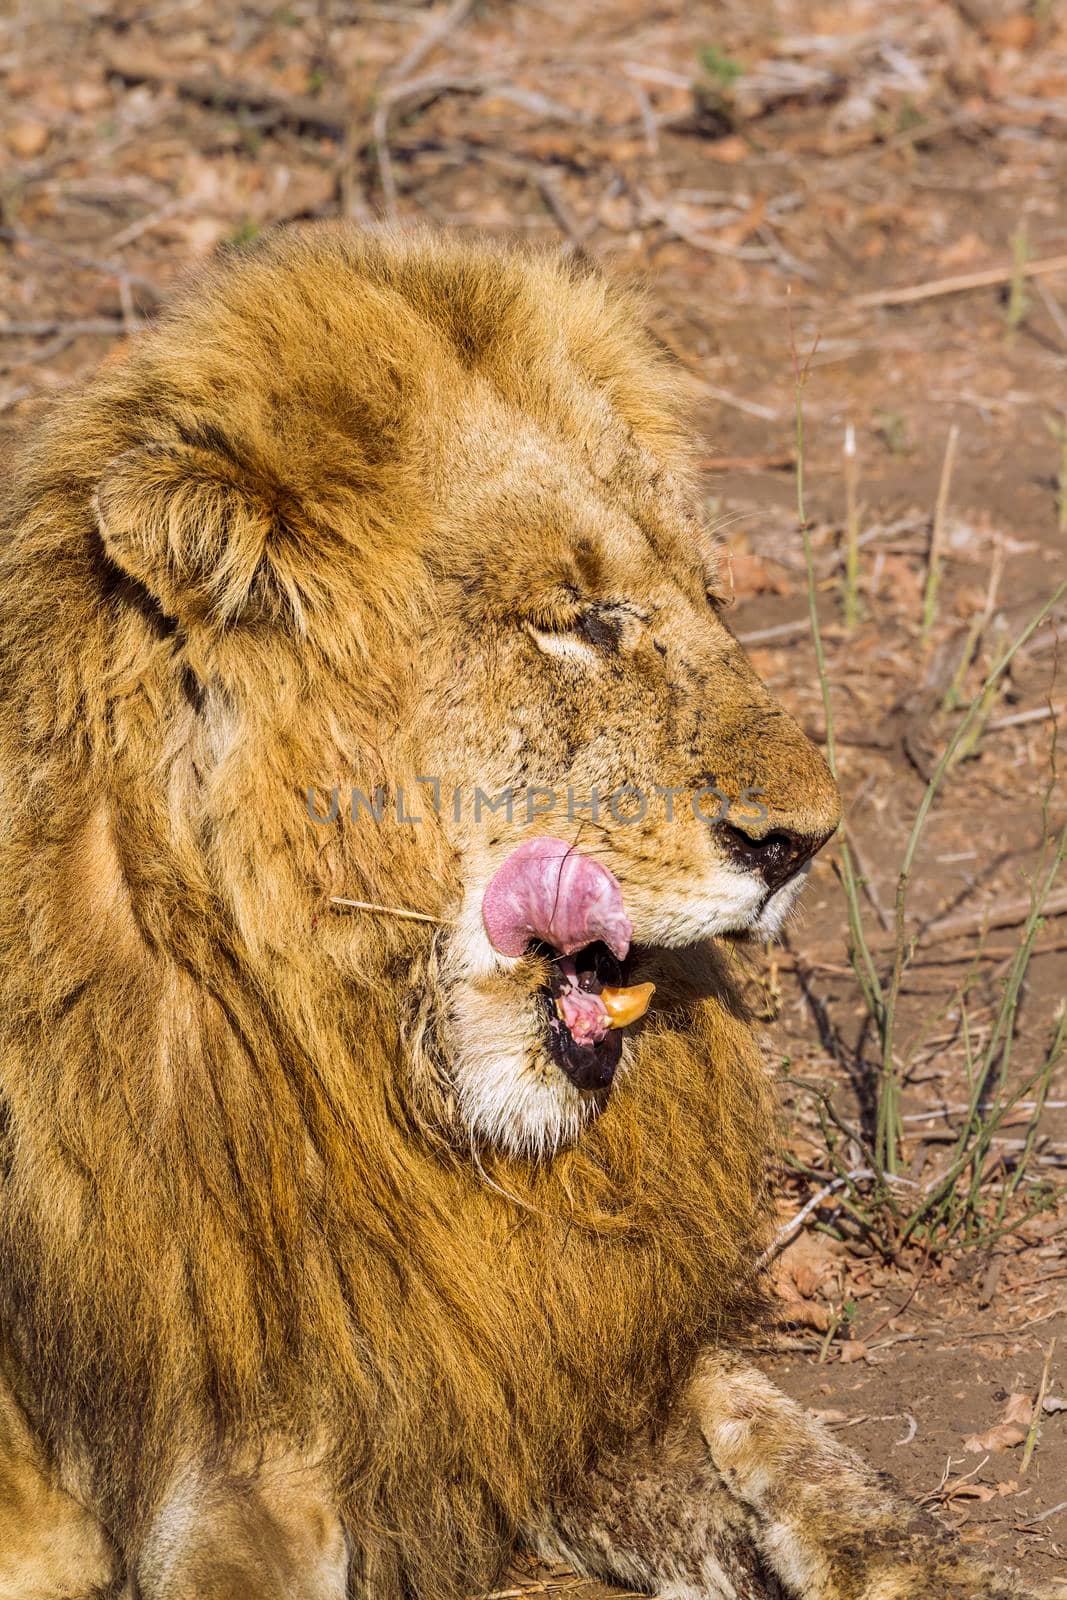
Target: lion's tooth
[624,1006]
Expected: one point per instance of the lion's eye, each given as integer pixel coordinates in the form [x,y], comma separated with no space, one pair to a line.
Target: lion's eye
[563,641]
[719,600]
[601,628]
[593,631]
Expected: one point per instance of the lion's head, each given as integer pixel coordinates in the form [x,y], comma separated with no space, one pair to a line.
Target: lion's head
[391,544]
[408,521]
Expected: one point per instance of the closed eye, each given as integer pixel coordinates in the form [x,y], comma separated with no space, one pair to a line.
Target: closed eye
[568,643]
[603,628]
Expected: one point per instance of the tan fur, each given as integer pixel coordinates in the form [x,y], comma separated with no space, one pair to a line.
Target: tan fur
[741,1496]
[267,1279]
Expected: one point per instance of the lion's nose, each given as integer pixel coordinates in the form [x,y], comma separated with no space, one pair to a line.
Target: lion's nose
[776,856]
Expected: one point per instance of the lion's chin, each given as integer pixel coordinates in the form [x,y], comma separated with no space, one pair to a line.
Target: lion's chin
[776,909]
[513,1096]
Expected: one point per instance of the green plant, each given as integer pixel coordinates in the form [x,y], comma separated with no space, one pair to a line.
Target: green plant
[718,65]
[1057,426]
[909,116]
[244,233]
[937,536]
[1018,299]
[850,591]
[892,429]
[842,1319]
[952,1209]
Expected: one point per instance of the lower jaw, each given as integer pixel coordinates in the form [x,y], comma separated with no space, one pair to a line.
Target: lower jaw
[589,1067]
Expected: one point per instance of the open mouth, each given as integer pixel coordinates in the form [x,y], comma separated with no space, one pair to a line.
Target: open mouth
[587,1004]
[550,900]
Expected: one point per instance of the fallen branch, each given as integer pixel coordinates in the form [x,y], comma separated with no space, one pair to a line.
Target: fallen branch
[1017,719]
[544,179]
[330,117]
[989,277]
[111,326]
[398,85]
[392,95]
[788,1232]
[1008,915]
[1042,1516]
[108,269]
[751,408]
[430,37]
[784,630]
[775,461]
[989,952]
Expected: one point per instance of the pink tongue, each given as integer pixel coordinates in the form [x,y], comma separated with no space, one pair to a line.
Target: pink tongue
[546,890]
[584,1013]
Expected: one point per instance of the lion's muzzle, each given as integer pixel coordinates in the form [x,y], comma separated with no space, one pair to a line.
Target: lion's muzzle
[549,896]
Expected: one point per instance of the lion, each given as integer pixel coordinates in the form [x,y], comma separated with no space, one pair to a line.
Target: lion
[384,1137]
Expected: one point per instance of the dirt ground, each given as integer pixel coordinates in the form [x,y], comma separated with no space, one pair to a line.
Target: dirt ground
[771,171]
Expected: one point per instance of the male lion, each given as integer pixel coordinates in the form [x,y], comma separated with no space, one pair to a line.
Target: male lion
[343,1251]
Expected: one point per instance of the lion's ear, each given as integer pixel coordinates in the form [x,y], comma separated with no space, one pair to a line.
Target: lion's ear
[209,545]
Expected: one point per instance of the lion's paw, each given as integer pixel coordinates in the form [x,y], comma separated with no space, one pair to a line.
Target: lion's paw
[972,1585]
[946,1576]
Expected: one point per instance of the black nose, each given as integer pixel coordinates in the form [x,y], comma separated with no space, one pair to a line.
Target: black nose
[776,856]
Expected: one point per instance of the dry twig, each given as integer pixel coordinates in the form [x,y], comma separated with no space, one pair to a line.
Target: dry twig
[399,85]
[388,911]
[991,277]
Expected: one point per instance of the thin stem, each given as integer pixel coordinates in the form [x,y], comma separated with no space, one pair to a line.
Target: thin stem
[937,535]
[888,1144]
[852,531]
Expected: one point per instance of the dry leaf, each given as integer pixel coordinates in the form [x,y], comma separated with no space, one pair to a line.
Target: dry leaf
[1015,33]
[902,580]
[27,139]
[90,95]
[964,251]
[731,149]
[967,1489]
[855,1351]
[800,1313]
[738,232]
[752,575]
[1010,1431]
[807,1279]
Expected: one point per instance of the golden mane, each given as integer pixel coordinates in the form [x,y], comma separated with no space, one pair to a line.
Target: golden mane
[221,1218]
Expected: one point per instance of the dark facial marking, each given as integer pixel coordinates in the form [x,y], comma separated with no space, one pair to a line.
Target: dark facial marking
[599,630]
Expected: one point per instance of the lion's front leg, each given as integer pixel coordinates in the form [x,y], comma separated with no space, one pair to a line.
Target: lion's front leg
[269,1533]
[745,1497]
[660,1519]
[830,1527]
